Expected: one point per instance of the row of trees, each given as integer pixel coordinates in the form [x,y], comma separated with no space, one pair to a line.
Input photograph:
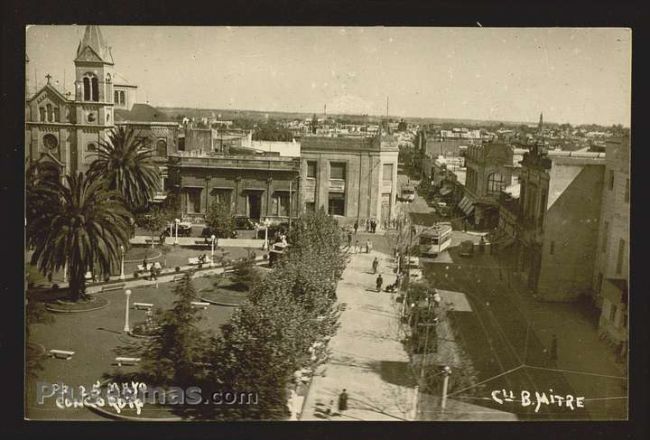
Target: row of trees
[290,313]
[82,221]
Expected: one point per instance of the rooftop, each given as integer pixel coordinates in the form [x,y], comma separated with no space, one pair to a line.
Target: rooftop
[141,113]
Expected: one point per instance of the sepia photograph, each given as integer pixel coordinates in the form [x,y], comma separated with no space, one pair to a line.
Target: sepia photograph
[326,223]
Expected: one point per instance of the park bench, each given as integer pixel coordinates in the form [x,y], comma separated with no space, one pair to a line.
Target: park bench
[126,361]
[155,265]
[142,306]
[150,241]
[194,261]
[202,243]
[61,354]
[177,278]
[112,287]
[200,305]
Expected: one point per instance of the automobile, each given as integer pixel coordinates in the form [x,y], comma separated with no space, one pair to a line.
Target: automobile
[208,232]
[274,229]
[466,248]
[243,222]
[408,193]
[184,230]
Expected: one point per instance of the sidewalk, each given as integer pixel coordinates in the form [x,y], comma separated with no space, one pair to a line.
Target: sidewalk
[367,357]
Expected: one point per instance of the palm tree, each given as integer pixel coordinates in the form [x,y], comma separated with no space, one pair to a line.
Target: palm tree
[124,163]
[83,227]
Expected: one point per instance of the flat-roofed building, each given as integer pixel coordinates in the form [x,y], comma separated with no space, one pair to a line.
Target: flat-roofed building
[352,178]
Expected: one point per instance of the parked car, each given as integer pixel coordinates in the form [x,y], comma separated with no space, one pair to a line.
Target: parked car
[466,248]
[184,230]
[273,230]
[208,232]
[243,222]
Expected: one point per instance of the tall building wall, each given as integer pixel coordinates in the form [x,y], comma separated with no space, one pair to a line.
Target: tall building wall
[569,237]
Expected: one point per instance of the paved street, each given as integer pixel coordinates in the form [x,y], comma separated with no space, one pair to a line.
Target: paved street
[511,330]
[367,358]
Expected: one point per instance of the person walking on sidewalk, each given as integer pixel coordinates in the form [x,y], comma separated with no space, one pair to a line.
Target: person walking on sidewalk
[368,246]
[380,282]
[375,265]
[356,226]
[349,239]
[343,401]
[553,351]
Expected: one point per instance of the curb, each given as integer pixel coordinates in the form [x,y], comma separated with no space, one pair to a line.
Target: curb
[54,310]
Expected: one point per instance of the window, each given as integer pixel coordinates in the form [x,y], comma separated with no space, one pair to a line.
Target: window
[50,113]
[116,97]
[336,204]
[627,191]
[388,172]
[161,147]
[122,97]
[280,205]
[50,141]
[612,312]
[621,256]
[91,147]
[603,245]
[337,170]
[194,200]
[611,180]
[310,207]
[311,170]
[552,248]
[90,87]
[495,183]
[599,282]
[57,115]
[43,115]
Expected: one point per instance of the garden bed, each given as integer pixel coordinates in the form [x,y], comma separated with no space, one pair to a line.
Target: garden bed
[84,305]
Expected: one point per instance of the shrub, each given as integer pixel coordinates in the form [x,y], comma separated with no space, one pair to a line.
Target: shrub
[55,286]
[136,274]
[178,268]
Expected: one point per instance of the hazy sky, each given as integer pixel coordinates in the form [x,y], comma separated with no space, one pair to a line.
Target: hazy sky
[574,75]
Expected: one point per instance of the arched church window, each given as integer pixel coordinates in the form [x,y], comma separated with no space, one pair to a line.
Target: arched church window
[86,81]
[161,147]
[57,114]
[43,115]
[91,87]
[95,88]
[50,113]
[91,147]
[116,97]
[122,98]
[108,78]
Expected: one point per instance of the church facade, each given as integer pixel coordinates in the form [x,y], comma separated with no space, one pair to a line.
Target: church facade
[62,132]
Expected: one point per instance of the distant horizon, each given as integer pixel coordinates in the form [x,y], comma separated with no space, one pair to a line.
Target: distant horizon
[573,75]
[376,116]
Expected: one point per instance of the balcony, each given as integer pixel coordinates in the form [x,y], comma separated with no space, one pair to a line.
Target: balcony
[337,185]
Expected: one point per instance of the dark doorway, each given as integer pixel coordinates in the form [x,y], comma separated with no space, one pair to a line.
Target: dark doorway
[254,205]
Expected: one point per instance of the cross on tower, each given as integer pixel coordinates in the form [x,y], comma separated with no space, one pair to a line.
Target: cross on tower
[48,76]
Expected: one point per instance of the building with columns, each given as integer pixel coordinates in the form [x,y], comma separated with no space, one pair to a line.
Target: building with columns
[352,178]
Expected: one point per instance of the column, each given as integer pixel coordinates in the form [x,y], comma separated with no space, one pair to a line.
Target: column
[269,190]
[237,190]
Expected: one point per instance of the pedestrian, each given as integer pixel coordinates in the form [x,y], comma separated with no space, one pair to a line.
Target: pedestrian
[152,273]
[356,226]
[144,263]
[398,280]
[328,411]
[553,351]
[436,298]
[373,225]
[375,264]
[368,246]
[343,400]
[380,281]
[349,239]
[357,247]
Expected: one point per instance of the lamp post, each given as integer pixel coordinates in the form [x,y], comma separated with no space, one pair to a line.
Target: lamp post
[214,237]
[176,222]
[267,223]
[127,293]
[122,262]
[445,384]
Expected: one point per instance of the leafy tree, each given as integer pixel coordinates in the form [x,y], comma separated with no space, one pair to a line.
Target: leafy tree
[124,163]
[174,355]
[84,226]
[245,274]
[153,221]
[219,218]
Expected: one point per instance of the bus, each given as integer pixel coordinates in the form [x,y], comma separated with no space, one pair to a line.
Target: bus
[408,193]
[435,240]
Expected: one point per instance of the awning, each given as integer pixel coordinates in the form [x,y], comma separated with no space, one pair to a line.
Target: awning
[466,205]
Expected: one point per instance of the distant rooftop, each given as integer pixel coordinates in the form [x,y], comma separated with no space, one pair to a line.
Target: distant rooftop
[141,113]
